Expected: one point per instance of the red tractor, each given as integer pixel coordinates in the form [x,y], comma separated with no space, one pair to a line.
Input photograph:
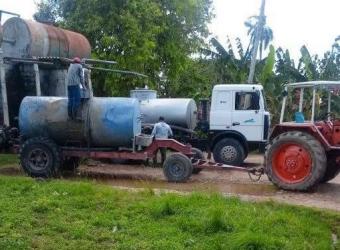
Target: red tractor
[303,153]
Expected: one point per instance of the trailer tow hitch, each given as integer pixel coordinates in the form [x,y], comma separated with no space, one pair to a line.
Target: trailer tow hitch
[254,173]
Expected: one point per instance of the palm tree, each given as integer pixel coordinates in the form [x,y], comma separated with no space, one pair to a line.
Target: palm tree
[256,30]
[266,34]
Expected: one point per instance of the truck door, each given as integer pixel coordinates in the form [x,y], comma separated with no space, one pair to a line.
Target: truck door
[247,115]
[220,113]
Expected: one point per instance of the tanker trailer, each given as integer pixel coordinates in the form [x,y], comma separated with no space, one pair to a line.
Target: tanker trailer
[109,129]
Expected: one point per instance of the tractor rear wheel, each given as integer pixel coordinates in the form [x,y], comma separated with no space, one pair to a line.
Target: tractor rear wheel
[332,171]
[40,157]
[198,155]
[177,167]
[295,161]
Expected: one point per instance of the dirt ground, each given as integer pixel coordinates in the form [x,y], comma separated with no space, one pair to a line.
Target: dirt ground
[230,183]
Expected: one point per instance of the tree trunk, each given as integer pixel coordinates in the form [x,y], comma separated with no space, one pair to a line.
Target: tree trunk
[258,32]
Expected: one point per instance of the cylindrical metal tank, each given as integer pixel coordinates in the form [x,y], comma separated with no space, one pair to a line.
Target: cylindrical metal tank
[143,94]
[24,38]
[107,122]
[177,111]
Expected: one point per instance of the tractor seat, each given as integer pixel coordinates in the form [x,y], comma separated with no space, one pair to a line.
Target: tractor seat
[299,117]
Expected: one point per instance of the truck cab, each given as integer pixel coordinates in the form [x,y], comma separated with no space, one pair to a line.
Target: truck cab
[239,121]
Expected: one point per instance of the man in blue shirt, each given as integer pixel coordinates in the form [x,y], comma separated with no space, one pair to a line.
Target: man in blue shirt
[74,79]
[161,130]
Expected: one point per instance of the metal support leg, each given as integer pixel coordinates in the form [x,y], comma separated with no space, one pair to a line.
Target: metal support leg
[37,79]
[3,90]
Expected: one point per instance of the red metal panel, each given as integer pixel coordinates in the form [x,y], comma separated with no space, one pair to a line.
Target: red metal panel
[149,152]
[170,144]
[106,155]
[310,128]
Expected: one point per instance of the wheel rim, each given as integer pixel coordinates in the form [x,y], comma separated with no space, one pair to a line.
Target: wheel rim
[292,163]
[228,153]
[177,170]
[38,159]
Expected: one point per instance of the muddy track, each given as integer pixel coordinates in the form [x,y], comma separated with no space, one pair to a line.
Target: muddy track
[230,183]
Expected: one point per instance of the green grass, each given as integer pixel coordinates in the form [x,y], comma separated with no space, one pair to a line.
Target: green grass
[81,215]
[9,160]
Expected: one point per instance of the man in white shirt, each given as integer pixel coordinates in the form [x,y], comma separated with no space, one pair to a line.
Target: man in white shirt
[161,130]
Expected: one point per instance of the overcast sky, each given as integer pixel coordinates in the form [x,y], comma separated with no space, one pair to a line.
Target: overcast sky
[314,23]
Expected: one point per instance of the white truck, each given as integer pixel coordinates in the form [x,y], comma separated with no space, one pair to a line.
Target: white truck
[238,120]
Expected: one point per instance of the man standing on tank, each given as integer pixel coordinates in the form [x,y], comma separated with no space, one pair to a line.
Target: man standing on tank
[74,79]
[161,130]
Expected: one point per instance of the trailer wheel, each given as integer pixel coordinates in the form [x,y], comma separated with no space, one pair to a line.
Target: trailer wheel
[40,157]
[198,155]
[332,171]
[295,161]
[70,163]
[177,168]
[229,151]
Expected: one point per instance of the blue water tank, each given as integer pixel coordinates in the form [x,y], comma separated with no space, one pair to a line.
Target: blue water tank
[106,122]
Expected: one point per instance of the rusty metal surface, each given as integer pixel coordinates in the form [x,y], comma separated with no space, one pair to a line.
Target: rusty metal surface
[41,40]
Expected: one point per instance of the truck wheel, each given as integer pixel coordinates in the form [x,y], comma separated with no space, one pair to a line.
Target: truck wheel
[40,157]
[229,151]
[177,168]
[332,171]
[198,155]
[70,163]
[295,161]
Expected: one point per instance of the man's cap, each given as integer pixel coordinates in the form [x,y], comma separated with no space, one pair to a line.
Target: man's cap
[76,60]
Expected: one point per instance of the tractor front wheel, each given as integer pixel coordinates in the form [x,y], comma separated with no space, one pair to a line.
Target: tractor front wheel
[295,161]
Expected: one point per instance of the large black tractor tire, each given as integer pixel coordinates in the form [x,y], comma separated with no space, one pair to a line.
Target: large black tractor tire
[70,163]
[198,155]
[40,157]
[332,171]
[295,161]
[229,151]
[177,167]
